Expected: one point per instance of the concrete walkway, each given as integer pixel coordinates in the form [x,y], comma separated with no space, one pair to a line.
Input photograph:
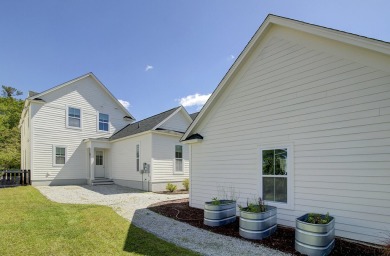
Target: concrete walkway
[131,204]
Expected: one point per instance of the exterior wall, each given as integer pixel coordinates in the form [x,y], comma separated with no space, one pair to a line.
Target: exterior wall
[332,102]
[123,161]
[178,122]
[25,143]
[163,147]
[49,129]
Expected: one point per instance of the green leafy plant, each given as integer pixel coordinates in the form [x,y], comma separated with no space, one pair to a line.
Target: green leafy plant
[215,201]
[186,184]
[316,218]
[256,206]
[171,187]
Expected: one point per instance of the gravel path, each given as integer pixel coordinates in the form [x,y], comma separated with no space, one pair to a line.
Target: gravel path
[131,204]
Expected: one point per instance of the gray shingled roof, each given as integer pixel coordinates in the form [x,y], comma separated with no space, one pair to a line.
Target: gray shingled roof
[143,125]
[194,115]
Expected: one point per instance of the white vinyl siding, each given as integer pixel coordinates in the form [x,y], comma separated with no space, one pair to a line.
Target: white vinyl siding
[164,159]
[331,104]
[48,129]
[124,157]
[177,122]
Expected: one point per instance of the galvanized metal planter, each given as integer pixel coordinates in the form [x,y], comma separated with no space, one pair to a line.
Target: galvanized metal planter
[219,215]
[258,225]
[314,239]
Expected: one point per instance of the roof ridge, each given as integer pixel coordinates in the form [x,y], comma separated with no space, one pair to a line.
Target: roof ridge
[155,115]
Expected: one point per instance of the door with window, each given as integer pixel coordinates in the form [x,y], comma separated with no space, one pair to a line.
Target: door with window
[99,166]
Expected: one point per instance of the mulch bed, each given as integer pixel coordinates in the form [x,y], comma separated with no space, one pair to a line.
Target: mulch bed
[176,192]
[282,240]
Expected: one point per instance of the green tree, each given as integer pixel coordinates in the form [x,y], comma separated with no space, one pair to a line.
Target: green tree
[10,111]
[10,92]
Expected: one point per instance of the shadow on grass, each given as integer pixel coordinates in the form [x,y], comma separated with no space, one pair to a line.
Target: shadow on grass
[144,243]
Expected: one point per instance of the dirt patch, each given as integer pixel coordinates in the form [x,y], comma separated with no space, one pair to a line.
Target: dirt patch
[282,239]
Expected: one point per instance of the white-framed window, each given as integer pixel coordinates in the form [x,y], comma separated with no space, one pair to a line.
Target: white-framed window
[103,122]
[137,155]
[73,117]
[59,155]
[178,158]
[276,167]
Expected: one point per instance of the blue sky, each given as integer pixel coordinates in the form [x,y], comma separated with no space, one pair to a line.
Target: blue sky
[151,54]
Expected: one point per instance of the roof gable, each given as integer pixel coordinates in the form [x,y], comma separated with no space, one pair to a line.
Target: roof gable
[147,124]
[266,26]
[91,75]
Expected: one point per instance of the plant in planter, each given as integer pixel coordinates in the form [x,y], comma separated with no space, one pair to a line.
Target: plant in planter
[219,212]
[314,234]
[257,220]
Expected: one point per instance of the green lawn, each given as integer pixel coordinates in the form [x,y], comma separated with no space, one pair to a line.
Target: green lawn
[32,225]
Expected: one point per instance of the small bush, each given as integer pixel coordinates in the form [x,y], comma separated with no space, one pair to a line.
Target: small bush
[186,184]
[316,218]
[170,187]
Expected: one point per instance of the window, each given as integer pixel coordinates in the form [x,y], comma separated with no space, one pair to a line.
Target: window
[103,122]
[137,157]
[178,158]
[59,155]
[99,157]
[274,174]
[74,117]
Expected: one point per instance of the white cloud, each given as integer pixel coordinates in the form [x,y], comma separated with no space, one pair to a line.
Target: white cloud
[232,57]
[126,104]
[148,67]
[194,100]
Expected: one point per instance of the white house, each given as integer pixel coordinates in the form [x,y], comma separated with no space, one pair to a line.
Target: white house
[302,119]
[78,133]
[154,141]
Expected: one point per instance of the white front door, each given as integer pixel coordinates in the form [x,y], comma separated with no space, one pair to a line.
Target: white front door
[99,166]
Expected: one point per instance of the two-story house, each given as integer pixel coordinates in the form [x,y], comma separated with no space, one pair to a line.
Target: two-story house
[78,133]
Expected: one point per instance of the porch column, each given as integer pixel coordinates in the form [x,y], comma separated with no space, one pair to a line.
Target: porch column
[92,162]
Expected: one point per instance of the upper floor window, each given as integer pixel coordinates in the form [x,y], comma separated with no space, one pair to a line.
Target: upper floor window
[103,122]
[178,158]
[74,117]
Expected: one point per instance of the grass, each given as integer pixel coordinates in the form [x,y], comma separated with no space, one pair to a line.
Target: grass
[30,224]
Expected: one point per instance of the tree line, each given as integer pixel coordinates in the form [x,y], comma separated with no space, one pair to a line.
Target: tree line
[10,112]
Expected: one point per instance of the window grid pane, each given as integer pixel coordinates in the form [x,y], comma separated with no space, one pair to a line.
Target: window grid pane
[137,158]
[59,155]
[274,170]
[178,158]
[74,117]
[179,165]
[103,122]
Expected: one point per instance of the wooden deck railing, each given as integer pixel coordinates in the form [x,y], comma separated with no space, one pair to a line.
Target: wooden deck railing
[12,178]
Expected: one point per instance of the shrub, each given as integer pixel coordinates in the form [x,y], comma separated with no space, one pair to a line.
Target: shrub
[256,206]
[186,184]
[170,187]
[215,201]
[316,218]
